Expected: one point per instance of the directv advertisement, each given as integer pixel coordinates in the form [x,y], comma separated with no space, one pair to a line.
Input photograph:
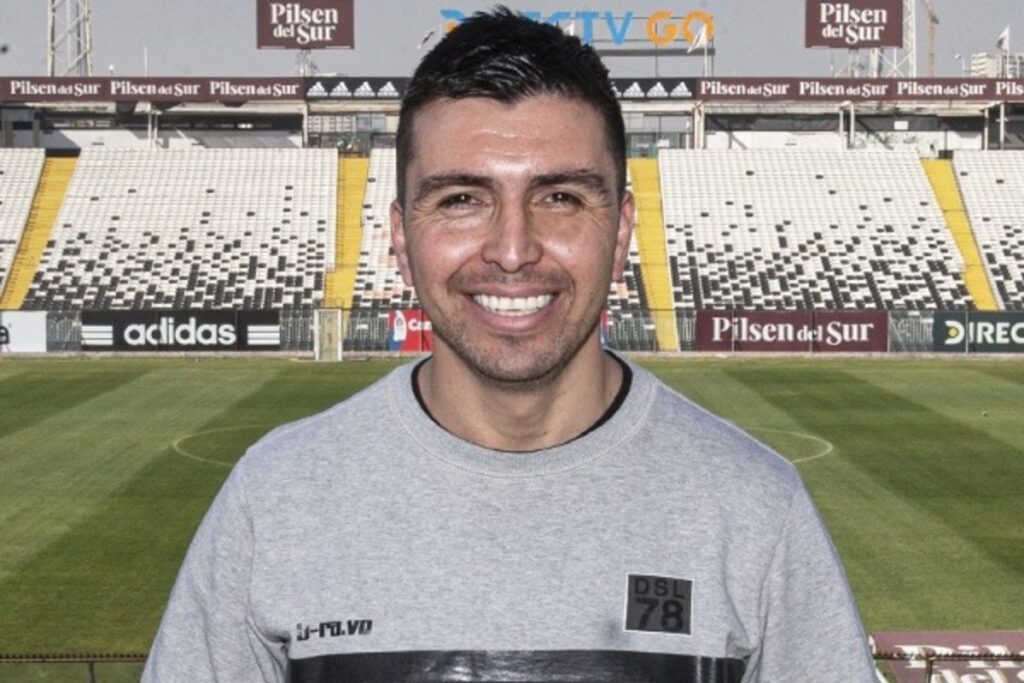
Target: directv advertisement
[978,332]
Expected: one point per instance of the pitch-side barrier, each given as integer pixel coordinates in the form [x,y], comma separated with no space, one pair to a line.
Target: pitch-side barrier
[330,333]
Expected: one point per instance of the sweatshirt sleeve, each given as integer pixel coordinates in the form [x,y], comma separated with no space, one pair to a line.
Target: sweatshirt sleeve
[207,632]
[811,629]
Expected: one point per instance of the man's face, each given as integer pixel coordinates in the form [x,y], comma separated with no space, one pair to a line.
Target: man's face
[511,231]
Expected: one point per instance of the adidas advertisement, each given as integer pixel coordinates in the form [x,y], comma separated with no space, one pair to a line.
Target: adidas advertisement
[655,88]
[978,332]
[332,88]
[181,331]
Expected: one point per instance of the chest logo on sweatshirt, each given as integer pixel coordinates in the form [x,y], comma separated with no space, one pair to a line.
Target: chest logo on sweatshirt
[334,629]
[661,604]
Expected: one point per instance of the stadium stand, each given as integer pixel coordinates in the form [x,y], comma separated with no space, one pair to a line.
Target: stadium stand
[19,176]
[745,229]
[182,229]
[801,229]
[650,264]
[629,295]
[340,284]
[378,282]
[992,185]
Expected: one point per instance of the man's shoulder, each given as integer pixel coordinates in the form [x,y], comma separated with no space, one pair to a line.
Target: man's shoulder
[713,445]
[340,428]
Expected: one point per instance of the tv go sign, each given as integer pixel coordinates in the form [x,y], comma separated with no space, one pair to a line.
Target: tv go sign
[661,27]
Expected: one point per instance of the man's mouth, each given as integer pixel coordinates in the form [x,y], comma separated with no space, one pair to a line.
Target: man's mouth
[513,306]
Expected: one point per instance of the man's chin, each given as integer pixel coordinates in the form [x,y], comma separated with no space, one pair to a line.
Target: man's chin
[519,378]
[515,363]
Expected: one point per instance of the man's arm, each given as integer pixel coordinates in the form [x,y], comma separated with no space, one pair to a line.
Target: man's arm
[207,632]
[812,631]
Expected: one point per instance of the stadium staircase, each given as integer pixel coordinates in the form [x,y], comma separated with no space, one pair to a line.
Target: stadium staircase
[53,185]
[653,253]
[943,180]
[352,177]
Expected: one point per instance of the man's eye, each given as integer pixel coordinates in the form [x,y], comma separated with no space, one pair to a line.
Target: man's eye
[563,199]
[457,200]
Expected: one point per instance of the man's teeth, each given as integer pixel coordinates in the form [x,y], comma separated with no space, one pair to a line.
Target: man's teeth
[515,306]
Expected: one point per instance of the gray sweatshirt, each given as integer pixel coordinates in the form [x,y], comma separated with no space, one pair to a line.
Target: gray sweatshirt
[368,544]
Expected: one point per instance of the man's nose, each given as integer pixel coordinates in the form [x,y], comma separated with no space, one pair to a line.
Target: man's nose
[513,241]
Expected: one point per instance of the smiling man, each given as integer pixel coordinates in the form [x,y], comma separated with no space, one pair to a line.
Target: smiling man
[512,223]
[522,505]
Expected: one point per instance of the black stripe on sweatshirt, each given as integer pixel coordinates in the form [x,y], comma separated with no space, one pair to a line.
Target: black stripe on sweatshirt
[515,666]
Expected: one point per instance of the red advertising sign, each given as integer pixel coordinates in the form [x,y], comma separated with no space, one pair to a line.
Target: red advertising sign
[854,23]
[305,24]
[851,331]
[972,657]
[409,331]
[818,331]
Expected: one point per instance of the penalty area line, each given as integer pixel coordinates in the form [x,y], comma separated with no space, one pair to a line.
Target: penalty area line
[180,450]
[826,445]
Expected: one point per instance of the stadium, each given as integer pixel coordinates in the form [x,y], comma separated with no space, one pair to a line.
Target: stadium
[835,264]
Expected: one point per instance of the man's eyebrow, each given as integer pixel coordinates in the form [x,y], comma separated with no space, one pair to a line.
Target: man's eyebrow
[587,179]
[433,183]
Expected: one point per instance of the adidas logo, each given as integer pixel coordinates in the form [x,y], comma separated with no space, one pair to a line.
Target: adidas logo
[169,332]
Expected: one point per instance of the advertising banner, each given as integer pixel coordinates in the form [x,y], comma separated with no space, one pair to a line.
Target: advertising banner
[818,331]
[305,24]
[330,88]
[43,89]
[978,332]
[975,655]
[22,332]
[335,88]
[659,27]
[858,89]
[655,88]
[854,24]
[238,90]
[409,331]
[199,330]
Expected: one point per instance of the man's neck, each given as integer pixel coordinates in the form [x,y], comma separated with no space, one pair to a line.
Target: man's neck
[511,418]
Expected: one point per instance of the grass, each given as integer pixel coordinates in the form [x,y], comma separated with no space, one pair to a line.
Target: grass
[107,466]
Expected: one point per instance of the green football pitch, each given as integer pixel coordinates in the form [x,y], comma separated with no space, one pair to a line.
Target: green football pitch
[107,466]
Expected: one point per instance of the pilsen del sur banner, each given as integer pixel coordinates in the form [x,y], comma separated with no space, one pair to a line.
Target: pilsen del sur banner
[782,89]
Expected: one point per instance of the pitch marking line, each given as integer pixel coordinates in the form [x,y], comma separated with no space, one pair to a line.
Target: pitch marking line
[827,445]
[177,445]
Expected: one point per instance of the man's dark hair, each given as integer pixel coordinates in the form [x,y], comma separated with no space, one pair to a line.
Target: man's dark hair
[507,57]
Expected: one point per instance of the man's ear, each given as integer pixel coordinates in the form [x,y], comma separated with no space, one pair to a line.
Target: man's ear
[627,219]
[398,242]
